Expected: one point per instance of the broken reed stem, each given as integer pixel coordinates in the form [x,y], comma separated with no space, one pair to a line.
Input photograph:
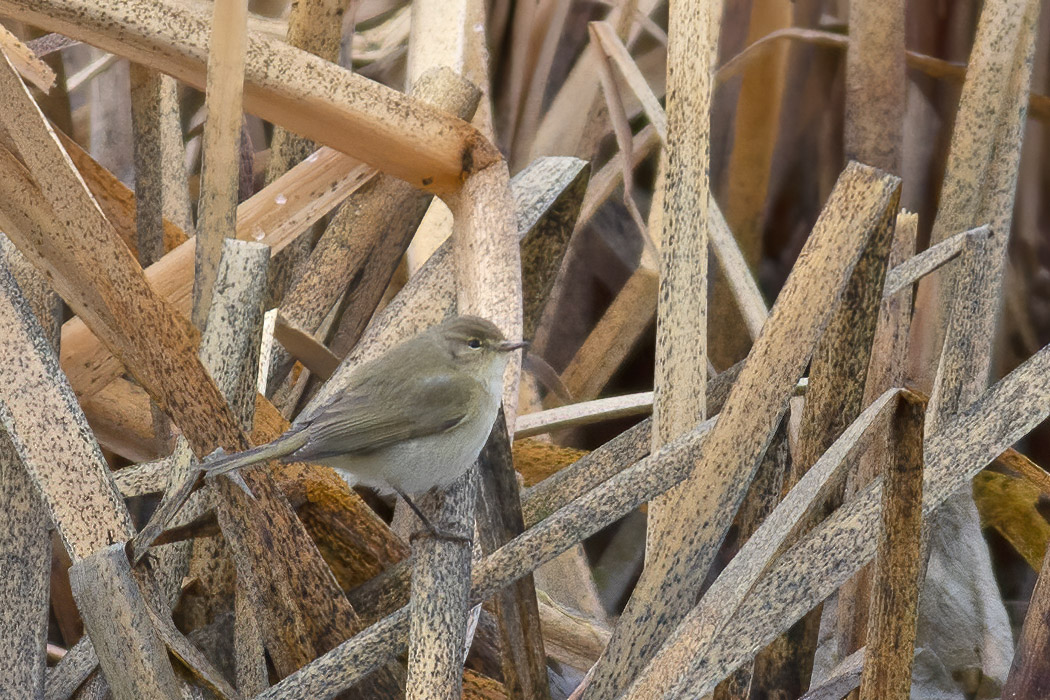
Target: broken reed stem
[160,176]
[437,628]
[703,510]
[889,351]
[718,605]
[895,599]
[220,170]
[680,380]
[838,547]
[52,440]
[381,126]
[487,264]
[834,399]
[499,520]
[360,249]
[25,542]
[230,350]
[826,557]
[133,658]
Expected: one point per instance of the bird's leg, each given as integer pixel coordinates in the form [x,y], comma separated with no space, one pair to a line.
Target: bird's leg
[434,532]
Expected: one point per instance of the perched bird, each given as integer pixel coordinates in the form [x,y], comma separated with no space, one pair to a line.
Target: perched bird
[410,420]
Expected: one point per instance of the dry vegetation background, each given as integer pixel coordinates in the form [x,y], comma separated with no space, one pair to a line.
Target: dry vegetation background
[199,204]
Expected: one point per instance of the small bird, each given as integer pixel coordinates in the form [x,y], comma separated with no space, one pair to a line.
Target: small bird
[410,420]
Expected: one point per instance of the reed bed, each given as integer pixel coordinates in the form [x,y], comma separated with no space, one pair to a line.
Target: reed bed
[779,430]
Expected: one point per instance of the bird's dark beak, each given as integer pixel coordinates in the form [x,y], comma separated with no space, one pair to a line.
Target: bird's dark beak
[508,345]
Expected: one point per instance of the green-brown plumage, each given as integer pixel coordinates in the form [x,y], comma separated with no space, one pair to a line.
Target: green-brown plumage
[408,421]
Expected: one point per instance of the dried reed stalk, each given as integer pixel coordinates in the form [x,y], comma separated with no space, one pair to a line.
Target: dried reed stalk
[380,126]
[894,604]
[25,542]
[889,351]
[220,170]
[373,229]
[779,356]
[47,428]
[160,176]
[680,382]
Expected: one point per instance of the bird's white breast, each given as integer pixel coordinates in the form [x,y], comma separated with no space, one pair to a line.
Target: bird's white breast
[418,465]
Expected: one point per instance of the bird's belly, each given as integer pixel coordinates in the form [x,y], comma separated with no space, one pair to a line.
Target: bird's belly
[418,465]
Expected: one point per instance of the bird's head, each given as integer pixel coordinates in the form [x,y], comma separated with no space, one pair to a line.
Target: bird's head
[476,343]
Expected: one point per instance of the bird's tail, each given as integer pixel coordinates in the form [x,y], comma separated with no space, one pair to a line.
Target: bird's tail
[281,447]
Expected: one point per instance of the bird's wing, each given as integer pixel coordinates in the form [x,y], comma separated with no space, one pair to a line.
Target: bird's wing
[370,417]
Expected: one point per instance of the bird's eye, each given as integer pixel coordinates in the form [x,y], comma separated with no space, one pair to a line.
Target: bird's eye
[474,343]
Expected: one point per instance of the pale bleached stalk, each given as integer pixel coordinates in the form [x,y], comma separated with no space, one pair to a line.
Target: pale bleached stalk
[889,351]
[808,572]
[59,227]
[276,215]
[217,209]
[47,430]
[700,512]
[755,128]
[584,413]
[448,35]
[799,579]
[381,126]
[899,566]
[680,381]
[25,543]
[545,242]
[718,605]
[161,189]
[117,200]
